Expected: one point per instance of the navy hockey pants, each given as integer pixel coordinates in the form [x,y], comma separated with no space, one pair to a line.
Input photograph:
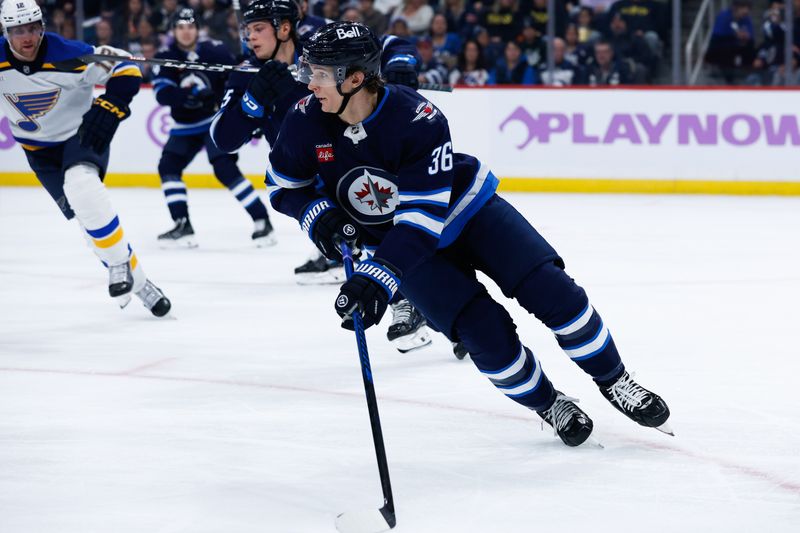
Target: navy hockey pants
[502,244]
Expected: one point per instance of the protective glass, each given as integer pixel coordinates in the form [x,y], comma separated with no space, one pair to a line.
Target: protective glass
[319,75]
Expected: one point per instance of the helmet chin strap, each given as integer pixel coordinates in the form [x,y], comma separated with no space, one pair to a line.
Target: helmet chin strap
[346,96]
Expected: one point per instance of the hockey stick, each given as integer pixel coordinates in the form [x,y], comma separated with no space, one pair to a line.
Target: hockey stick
[209,67]
[384,518]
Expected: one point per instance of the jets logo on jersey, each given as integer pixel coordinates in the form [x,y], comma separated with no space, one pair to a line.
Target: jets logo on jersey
[325,153]
[301,105]
[195,79]
[425,110]
[369,194]
[32,106]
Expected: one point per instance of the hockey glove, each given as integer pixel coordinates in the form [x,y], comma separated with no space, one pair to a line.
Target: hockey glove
[268,84]
[327,226]
[402,73]
[196,99]
[369,290]
[101,122]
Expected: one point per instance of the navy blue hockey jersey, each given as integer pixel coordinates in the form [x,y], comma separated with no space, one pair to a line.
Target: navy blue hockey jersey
[395,174]
[172,85]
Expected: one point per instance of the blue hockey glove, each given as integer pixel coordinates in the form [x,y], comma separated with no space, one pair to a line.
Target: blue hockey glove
[402,73]
[327,226]
[267,85]
[369,290]
[198,98]
[101,122]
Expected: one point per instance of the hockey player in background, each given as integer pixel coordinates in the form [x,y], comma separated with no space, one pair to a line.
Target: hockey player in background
[47,95]
[431,218]
[193,97]
[256,104]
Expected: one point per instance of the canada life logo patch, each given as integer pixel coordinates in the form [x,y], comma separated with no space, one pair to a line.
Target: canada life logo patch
[369,194]
[325,153]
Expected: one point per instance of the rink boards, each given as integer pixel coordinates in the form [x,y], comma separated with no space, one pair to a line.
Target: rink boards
[564,140]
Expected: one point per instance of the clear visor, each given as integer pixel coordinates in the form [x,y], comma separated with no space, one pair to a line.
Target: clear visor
[319,75]
[32,28]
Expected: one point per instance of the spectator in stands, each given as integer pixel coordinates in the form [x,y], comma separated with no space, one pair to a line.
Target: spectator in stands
[446,45]
[387,6]
[162,16]
[630,46]
[418,14]
[598,6]
[399,27]
[605,69]
[352,14]
[149,47]
[644,18]
[539,17]
[431,70]
[532,44]
[471,68]
[513,69]
[564,73]
[452,10]
[576,53]
[501,20]
[104,34]
[126,22]
[468,19]
[491,50]
[214,20]
[373,19]
[587,32]
[732,49]
[330,9]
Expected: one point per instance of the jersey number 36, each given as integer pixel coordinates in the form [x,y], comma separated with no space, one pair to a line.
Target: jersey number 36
[443,153]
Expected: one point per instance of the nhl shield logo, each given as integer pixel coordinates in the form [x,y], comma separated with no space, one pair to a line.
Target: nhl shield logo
[369,194]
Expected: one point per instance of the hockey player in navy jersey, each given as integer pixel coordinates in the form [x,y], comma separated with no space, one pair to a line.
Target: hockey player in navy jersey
[47,95]
[193,97]
[257,103]
[429,216]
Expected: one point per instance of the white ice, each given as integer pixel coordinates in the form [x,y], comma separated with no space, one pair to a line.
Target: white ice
[246,413]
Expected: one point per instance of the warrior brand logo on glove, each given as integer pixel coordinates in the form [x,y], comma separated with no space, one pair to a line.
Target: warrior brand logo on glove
[312,214]
[380,274]
[342,301]
[111,108]
[349,230]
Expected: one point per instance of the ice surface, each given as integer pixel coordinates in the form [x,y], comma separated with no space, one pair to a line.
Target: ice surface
[246,413]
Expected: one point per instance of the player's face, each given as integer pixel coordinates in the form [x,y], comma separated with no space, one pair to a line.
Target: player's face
[186,35]
[25,39]
[261,39]
[322,83]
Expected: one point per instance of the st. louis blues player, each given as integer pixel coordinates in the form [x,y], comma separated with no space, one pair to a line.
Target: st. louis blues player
[193,97]
[47,94]
[432,218]
[258,102]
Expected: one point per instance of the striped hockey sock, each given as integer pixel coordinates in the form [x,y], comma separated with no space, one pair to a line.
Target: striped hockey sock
[244,192]
[523,380]
[175,194]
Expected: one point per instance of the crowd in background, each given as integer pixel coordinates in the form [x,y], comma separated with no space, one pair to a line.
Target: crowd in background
[483,42]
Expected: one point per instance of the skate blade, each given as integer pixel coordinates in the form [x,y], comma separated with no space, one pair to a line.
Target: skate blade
[665,428]
[416,341]
[178,244]
[265,241]
[123,301]
[334,276]
[592,441]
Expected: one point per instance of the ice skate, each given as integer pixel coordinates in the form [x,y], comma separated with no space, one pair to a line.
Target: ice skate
[319,271]
[120,283]
[408,330]
[181,236]
[459,350]
[572,425]
[153,299]
[637,403]
[263,234]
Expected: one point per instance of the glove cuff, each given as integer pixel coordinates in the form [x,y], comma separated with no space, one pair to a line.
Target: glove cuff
[113,104]
[312,212]
[251,107]
[379,273]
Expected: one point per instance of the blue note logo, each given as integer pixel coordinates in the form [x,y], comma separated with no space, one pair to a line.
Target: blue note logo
[32,106]
[369,194]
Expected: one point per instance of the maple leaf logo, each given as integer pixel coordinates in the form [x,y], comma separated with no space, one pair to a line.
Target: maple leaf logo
[372,194]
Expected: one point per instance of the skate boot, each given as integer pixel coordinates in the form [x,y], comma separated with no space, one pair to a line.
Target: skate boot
[120,283]
[181,236]
[319,271]
[637,403]
[263,234]
[153,299]
[571,424]
[459,350]
[408,330]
